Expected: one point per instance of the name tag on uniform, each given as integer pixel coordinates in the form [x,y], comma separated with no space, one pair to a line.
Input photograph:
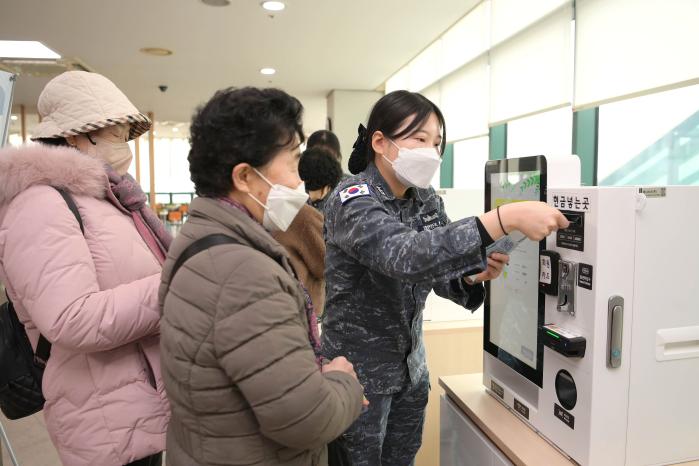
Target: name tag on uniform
[431,220]
[358,190]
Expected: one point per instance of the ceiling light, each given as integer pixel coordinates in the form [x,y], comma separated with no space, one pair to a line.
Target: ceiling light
[216,2]
[26,49]
[273,6]
[13,118]
[156,51]
[268,71]
[175,130]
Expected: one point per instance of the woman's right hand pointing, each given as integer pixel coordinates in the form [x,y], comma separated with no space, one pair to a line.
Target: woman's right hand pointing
[536,220]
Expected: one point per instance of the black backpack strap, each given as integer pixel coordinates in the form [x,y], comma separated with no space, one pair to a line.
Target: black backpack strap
[43,351]
[43,346]
[72,206]
[202,244]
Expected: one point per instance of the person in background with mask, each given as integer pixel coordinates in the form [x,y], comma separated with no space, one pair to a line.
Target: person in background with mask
[92,294]
[388,244]
[239,351]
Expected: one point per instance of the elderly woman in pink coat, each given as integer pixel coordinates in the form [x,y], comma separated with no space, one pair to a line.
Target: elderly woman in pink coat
[93,296]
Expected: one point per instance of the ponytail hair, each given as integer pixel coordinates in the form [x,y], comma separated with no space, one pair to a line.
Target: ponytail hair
[388,115]
[358,160]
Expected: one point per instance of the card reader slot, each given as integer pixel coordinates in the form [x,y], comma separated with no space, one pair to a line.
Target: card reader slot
[573,218]
[563,341]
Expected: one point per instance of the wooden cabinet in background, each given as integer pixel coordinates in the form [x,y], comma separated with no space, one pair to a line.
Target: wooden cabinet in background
[452,348]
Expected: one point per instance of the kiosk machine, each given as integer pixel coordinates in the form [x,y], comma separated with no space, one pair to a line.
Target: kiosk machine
[592,336]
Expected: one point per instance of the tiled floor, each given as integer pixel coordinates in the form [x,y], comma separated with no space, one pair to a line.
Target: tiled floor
[30,442]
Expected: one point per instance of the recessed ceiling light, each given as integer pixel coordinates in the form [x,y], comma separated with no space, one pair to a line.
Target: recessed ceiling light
[13,118]
[26,49]
[216,2]
[268,71]
[273,6]
[175,129]
[156,51]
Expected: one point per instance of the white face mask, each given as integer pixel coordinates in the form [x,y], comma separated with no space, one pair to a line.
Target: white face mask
[415,167]
[116,154]
[283,204]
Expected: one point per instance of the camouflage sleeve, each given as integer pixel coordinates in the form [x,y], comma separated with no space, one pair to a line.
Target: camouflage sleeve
[364,229]
[469,296]
[456,290]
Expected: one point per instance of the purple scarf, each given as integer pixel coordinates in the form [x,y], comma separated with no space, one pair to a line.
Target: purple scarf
[126,194]
[313,334]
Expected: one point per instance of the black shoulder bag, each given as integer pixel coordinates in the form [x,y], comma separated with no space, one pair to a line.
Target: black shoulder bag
[21,370]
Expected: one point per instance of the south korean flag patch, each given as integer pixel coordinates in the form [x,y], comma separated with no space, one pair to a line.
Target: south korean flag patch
[357,190]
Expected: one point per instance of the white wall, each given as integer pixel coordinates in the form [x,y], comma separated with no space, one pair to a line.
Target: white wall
[346,110]
[548,133]
[315,112]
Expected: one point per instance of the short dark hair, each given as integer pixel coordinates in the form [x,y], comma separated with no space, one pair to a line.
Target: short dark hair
[318,169]
[326,139]
[247,125]
[387,116]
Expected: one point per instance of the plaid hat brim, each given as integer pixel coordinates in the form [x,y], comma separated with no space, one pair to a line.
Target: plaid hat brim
[138,124]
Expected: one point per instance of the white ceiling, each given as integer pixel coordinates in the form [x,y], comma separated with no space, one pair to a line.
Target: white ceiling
[315,45]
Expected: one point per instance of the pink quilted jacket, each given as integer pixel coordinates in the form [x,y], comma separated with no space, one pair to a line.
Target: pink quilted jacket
[94,297]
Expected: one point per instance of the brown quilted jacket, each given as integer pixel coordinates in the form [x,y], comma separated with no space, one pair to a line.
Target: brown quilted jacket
[238,367]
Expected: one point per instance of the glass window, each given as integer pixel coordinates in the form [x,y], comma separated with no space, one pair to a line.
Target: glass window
[510,17]
[425,69]
[163,198]
[470,156]
[547,133]
[624,47]
[652,139]
[467,39]
[184,198]
[171,166]
[14,140]
[464,101]
[7,84]
[15,129]
[533,71]
[144,152]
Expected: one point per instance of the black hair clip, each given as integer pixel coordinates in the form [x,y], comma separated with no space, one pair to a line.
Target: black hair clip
[361,142]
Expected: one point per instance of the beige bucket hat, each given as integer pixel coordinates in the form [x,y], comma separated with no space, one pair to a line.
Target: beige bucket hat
[79,102]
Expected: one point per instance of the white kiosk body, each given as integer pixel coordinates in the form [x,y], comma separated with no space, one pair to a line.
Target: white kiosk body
[592,336]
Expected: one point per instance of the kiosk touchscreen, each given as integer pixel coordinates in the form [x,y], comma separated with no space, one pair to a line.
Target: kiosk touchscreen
[514,306]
